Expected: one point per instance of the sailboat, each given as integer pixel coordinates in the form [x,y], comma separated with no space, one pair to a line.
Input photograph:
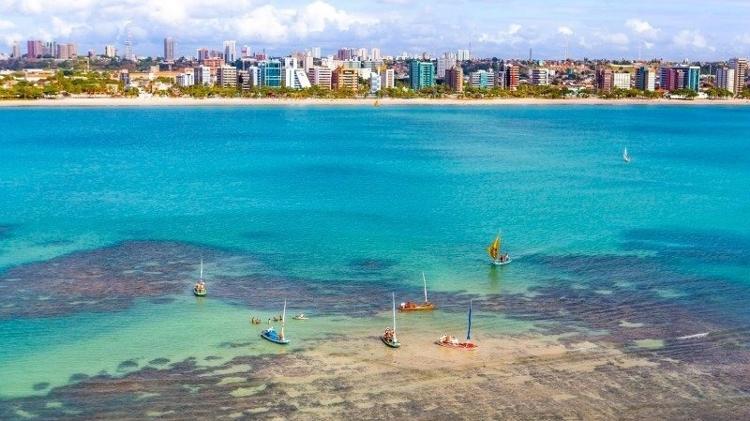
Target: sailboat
[200,287]
[494,251]
[271,335]
[625,155]
[412,306]
[451,341]
[389,336]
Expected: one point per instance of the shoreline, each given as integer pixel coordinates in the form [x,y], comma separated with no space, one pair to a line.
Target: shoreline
[234,102]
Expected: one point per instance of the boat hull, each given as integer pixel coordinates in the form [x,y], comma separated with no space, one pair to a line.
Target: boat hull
[389,343]
[199,294]
[464,346]
[300,318]
[276,341]
[503,263]
[420,307]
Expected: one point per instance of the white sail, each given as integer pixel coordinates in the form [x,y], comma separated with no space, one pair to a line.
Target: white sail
[625,155]
[425,287]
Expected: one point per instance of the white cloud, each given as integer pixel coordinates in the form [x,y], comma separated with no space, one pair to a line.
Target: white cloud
[616,38]
[743,39]
[642,28]
[691,39]
[565,30]
[6,24]
[511,35]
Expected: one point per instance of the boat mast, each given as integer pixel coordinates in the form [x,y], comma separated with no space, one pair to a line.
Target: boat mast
[394,316]
[425,287]
[283,320]
[468,333]
[201,278]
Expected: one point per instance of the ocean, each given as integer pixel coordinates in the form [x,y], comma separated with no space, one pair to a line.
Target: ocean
[107,212]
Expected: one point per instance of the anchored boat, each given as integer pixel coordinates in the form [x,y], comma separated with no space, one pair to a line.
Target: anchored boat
[452,342]
[625,155]
[389,336]
[494,251]
[272,335]
[412,306]
[200,287]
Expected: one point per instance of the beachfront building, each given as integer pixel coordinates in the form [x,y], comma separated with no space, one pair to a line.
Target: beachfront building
[247,79]
[296,79]
[454,78]
[186,79]
[169,50]
[320,76]
[604,79]
[345,79]
[270,73]
[740,67]
[540,76]
[421,74]
[374,83]
[226,77]
[679,77]
[725,78]
[645,79]
[444,63]
[202,75]
[387,79]
[512,77]
[482,79]
[621,80]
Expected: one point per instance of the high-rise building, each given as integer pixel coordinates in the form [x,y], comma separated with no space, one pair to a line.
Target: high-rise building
[270,73]
[202,75]
[66,52]
[668,79]
[345,79]
[454,78]
[463,55]
[226,76]
[169,50]
[230,51]
[540,76]
[512,77]
[443,64]
[375,83]
[49,49]
[604,79]
[362,53]
[345,54]
[110,51]
[320,76]
[202,54]
[421,74]
[482,79]
[246,52]
[34,49]
[740,74]
[316,52]
[375,54]
[725,78]
[308,61]
[692,77]
[621,80]
[645,79]
[387,78]
[679,77]
[129,53]
[15,51]
[186,78]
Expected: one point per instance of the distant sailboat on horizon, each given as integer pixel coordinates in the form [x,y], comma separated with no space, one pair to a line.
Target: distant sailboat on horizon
[625,155]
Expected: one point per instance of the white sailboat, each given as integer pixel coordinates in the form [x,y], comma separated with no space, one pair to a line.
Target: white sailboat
[271,335]
[200,287]
[389,336]
[625,155]
[412,306]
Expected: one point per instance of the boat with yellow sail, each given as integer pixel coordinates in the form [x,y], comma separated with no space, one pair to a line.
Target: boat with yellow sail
[495,252]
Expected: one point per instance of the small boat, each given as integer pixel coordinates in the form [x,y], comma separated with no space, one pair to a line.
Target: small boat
[389,336]
[300,316]
[200,287]
[493,250]
[271,335]
[412,306]
[625,155]
[451,341]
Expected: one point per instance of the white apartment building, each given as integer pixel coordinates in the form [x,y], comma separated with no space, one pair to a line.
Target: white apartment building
[621,80]
[725,78]
[320,76]
[202,75]
[387,79]
[540,76]
[186,79]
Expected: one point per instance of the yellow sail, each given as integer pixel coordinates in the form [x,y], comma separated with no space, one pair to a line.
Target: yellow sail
[494,249]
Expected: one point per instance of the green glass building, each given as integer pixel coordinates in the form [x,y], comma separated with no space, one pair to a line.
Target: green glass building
[421,74]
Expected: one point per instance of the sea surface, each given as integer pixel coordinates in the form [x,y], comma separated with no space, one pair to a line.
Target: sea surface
[105,214]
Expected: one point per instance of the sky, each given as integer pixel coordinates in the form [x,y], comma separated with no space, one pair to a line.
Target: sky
[672,30]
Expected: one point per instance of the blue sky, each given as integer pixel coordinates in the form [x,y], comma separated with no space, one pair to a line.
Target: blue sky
[687,29]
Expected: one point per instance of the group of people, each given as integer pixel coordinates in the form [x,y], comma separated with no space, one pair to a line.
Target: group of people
[200,287]
[449,339]
[388,334]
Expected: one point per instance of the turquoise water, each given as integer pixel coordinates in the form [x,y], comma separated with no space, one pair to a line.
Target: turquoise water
[337,195]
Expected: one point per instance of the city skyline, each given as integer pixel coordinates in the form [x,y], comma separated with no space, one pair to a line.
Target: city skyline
[671,30]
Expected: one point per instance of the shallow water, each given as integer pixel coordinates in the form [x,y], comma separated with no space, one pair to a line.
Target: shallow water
[334,207]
